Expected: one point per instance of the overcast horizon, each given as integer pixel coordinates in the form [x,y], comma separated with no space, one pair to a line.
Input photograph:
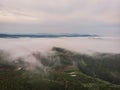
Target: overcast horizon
[100,17]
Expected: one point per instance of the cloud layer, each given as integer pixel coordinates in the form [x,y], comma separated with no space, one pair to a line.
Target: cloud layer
[25,46]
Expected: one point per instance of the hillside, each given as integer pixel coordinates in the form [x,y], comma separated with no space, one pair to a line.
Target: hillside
[62,70]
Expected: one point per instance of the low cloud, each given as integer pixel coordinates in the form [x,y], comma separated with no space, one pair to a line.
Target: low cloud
[38,53]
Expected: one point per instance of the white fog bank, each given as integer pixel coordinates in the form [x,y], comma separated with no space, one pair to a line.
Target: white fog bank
[18,47]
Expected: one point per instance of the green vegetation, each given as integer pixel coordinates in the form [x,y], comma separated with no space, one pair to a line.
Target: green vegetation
[67,71]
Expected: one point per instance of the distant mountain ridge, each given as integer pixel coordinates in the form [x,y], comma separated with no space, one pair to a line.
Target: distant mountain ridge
[45,35]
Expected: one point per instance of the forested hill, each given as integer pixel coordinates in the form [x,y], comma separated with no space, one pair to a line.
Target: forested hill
[62,70]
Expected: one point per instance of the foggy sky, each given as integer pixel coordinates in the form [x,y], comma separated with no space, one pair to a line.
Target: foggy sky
[60,16]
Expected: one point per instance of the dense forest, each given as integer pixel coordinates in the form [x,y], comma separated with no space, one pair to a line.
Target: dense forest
[61,70]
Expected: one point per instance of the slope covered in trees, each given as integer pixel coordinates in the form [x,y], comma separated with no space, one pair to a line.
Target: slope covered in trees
[62,70]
